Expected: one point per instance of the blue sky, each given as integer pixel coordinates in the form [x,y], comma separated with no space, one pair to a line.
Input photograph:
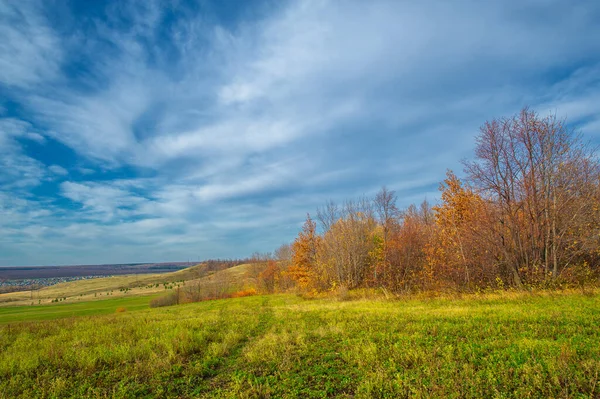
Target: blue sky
[175,130]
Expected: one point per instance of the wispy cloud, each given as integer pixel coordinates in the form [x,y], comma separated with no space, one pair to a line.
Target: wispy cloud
[19,171]
[173,132]
[30,51]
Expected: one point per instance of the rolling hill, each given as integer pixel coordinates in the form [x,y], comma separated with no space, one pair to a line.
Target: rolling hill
[125,286]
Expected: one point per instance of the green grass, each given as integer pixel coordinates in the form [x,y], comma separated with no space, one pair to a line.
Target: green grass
[284,347]
[56,311]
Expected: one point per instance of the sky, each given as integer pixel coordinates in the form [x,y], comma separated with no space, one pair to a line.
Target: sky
[183,130]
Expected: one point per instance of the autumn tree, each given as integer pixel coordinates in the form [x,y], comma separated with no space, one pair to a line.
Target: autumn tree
[328,215]
[460,248]
[346,247]
[268,278]
[407,246]
[535,170]
[527,213]
[304,255]
[283,254]
[387,216]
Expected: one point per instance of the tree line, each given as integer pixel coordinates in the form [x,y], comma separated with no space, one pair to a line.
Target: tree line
[527,213]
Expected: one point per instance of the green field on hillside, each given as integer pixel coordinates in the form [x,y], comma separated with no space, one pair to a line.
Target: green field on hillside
[283,346]
[11,314]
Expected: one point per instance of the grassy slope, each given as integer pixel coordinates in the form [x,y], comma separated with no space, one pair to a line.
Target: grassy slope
[283,346]
[11,314]
[95,289]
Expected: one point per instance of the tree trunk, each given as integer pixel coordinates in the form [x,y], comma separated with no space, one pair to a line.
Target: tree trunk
[554,256]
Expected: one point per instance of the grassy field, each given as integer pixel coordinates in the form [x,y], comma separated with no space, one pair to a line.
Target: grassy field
[283,346]
[11,314]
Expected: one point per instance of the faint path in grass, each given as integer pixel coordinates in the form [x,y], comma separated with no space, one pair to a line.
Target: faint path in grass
[221,375]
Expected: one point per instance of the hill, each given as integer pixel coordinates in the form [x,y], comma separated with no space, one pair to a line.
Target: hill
[119,286]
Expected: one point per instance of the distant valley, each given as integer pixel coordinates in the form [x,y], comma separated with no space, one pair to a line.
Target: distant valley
[30,272]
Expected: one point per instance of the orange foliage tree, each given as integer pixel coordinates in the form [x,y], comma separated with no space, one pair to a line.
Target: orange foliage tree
[269,277]
[304,255]
[459,253]
[527,213]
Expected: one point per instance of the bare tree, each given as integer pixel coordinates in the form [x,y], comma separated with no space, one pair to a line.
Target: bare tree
[328,215]
[535,170]
[387,214]
[283,253]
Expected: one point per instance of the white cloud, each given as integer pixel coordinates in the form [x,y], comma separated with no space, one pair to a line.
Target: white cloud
[58,170]
[100,126]
[576,98]
[246,128]
[86,171]
[18,170]
[30,52]
[103,202]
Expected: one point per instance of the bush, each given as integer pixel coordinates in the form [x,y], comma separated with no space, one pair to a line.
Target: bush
[239,294]
[168,300]
[342,293]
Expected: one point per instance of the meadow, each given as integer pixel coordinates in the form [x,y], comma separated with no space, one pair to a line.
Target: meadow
[282,346]
[11,314]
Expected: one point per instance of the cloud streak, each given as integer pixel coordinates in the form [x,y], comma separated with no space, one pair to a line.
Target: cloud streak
[170,133]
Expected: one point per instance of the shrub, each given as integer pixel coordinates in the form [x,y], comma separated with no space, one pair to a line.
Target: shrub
[247,292]
[342,293]
[167,300]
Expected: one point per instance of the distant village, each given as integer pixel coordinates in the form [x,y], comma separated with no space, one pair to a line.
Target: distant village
[35,283]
